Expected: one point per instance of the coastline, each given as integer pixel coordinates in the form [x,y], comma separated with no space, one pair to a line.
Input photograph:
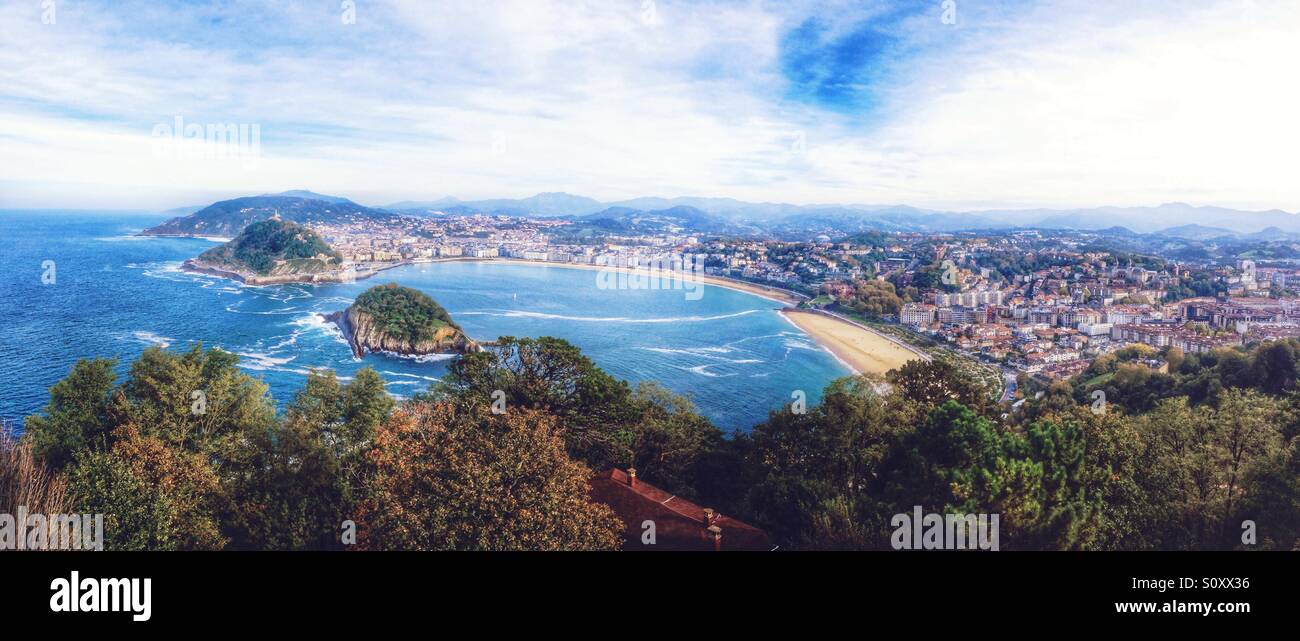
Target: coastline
[774,294]
[340,319]
[860,348]
[193,265]
[763,291]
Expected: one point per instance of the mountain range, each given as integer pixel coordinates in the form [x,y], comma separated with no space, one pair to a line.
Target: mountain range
[785,216]
[726,216]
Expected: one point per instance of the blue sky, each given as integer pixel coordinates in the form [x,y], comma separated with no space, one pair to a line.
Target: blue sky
[1015,104]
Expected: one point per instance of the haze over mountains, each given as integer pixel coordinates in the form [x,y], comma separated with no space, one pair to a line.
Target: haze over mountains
[884,217]
[733,217]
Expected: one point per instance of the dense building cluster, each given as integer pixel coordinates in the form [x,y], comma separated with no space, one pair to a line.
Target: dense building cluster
[1037,302]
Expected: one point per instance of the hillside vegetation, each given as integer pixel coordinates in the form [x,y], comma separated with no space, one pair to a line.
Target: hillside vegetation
[228,217]
[1185,460]
[260,246]
[403,313]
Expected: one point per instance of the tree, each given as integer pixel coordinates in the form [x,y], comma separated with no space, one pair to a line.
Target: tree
[153,496]
[196,401]
[288,488]
[669,438]
[818,468]
[76,416]
[876,298]
[1274,502]
[1274,365]
[1119,494]
[592,408]
[930,383]
[299,480]
[1247,431]
[458,477]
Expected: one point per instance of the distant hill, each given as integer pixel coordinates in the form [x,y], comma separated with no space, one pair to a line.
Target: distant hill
[1196,232]
[228,217]
[545,205]
[1117,230]
[1152,219]
[730,216]
[182,211]
[422,207]
[1273,234]
[276,248]
[311,195]
[682,218]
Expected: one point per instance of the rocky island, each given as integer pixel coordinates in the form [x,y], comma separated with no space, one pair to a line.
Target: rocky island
[400,320]
[272,252]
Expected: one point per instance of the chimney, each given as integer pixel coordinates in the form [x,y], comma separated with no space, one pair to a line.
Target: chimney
[710,516]
[631,477]
[717,537]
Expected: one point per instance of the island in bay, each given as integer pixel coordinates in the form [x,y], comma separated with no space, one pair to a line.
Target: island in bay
[400,320]
[272,252]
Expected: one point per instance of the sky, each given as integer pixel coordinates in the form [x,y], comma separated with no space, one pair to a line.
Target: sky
[946,104]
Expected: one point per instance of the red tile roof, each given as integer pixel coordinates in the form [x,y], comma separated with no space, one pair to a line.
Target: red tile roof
[679,524]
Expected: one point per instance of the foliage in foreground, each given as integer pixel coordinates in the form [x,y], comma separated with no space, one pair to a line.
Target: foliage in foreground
[1172,465]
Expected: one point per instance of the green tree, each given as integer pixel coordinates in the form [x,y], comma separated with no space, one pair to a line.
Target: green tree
[153,496]
[818,467]
[459,477]
[76,416]
[550,375]
[1246,432]
[197,400]
[299,480]
[669,439]
[930,383]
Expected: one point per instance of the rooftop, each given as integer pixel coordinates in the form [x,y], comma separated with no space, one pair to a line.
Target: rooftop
[679,524]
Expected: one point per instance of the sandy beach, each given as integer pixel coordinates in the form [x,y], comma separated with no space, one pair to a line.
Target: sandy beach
[861,349]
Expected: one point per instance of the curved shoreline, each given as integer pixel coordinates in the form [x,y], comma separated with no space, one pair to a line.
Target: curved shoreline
[323,278]
[857,347]
[775,294]
[859,351]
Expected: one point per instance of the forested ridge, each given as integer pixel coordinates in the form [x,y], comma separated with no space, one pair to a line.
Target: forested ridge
[261,244]
[403,312]
[1182,450]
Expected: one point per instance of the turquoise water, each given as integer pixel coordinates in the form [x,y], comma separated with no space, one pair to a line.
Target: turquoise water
[114,294]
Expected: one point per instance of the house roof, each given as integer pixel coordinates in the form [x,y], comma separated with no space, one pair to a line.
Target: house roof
[678,523]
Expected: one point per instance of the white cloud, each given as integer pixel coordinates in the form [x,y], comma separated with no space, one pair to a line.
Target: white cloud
[1179,103]
[1065,105]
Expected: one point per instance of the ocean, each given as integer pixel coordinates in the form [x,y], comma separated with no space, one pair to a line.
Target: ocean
[81,284]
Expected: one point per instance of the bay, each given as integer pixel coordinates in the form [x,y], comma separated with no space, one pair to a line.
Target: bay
[113,294]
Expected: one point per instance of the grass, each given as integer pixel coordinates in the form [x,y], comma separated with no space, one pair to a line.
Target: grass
[26,481]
